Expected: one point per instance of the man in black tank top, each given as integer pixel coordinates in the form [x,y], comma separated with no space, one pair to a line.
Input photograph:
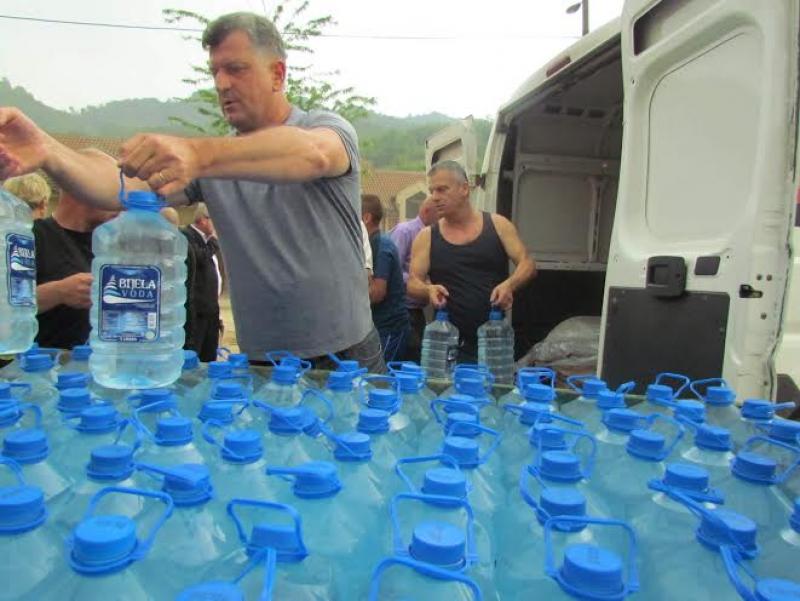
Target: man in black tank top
[462,260]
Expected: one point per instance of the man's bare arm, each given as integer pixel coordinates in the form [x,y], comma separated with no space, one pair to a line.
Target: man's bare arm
[418,286]
[525,267]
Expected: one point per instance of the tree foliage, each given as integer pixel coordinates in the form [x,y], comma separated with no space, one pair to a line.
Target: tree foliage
[304,88]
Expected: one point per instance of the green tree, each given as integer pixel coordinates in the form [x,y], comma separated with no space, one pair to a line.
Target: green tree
[303,88]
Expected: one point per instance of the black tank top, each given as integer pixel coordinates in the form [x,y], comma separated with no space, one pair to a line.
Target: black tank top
[469,272]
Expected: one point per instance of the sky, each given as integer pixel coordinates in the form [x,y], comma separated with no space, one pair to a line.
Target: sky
[464,57]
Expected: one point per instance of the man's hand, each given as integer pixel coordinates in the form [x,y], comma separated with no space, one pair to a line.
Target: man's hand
[502,296]
[76,291]
[166,163]
[438,295]
[23,146]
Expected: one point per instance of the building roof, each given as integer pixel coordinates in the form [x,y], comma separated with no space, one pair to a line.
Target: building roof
[107,145]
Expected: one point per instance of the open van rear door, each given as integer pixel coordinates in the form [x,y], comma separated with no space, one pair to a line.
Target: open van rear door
[456,142]
[701,248]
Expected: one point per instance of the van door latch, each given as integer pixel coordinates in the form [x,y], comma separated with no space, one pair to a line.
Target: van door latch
[747,291]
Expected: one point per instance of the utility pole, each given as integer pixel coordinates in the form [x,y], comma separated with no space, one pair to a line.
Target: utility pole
[583,5]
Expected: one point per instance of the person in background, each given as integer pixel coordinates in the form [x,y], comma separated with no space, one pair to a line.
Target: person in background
[171,215]
[33,189]
[207,285]
[403,236]
[386,287]
[63,268]
[462,259]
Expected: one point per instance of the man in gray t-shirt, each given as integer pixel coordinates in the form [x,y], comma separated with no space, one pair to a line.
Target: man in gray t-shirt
[284,195]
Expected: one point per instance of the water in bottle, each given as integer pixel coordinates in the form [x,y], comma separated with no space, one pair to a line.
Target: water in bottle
[445,413]
[240,364]
[71,401]
[440,344]
[217,371]
[283,388]
[387,446]
[402,428]
[719,399]
[606,400]
[192,373]
[296,434]
[755,415]
[78,359]
[239,469]
[38,372]
[661,397]
[74,440]
[139,291]
[399,579]
[303,366]
[105,552]
[525,376]
[690,413]
[415,396]
[613,436]
[18,325]
[30,545]
[778,553]
[712,450]
[344,399]
[783,430]
[353,454]
[496,347]
[588,387]
[296,572]
[169,438]
[766,588]
[477,384]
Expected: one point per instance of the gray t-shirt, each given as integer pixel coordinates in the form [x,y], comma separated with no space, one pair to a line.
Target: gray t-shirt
[294,254]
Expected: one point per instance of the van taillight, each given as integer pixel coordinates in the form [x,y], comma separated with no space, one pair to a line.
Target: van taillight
[558,65]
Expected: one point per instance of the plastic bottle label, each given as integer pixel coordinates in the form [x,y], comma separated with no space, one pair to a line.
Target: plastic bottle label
[130,303]
[21,269]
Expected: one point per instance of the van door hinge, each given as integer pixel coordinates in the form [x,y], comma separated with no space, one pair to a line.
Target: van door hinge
[747,291]
[480,180]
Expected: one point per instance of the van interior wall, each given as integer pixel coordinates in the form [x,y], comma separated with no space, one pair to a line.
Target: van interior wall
[560,173]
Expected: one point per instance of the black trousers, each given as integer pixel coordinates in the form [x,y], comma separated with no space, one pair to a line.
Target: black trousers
[205,335]
[416,318]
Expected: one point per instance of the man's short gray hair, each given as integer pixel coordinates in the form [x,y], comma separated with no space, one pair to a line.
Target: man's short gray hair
[261,31]
[453,167]
[200,212]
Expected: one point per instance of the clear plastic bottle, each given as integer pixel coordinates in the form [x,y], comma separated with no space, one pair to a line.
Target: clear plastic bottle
[496,347]
[78,359]
[439,347]
[18,325]
[139,291]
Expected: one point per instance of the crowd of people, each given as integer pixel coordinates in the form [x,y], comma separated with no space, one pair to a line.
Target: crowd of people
[308,267]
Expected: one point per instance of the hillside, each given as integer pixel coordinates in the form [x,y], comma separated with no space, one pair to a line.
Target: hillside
[386,142]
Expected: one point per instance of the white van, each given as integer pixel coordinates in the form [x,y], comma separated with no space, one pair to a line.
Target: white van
[651,169]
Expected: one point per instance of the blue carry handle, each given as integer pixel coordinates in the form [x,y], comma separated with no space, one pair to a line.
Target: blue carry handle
[587,469]
[472,408]
[297,521]
[441,458]
[539,373]
[422,568]
[679,432]
[781,477]
[277,357]
[209,437]
[707,382]
[469,428]
[575,381]
[666,375]
[163,406]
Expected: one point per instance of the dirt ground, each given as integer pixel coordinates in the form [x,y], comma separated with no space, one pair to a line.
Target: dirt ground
[229,336]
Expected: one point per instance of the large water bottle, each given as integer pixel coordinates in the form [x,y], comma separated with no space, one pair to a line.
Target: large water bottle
[240,364]
[217,372]
[192,373]
[415,396]
[755,414]
[778,553]
[74,440]
[30,449]
[764,589]
[525,376]
[496,347]
[38,371]
[239,469]
[344,399]
[660,397]
[440,531]
[719,399]
[105,552]
[398,579]
[712,450]
[228,401]
[402,428]
[197,534]
[618,424]
[296,433]
[476,381]
[439,347]
[78,359]
[397,368]
[588,388]
[303,366]
[598,570]
[283,388]
[169,439]
[18,325]
[295,572]
[139,292]
[31,547]
[353,454]
[445,413]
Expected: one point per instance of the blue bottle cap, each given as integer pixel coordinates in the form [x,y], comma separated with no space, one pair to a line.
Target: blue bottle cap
[559,502]
[409,382]
[372,421]
[794,519]
[774,589]
[659,394]
[530,412]
[539,393]
[173,431]
[283,538]
[442,315]
[26,446]
[496,315]
[111,462]
[14,413]
[560,466]
[190,360]
[348,365]
[785,430]
[464,450]
[22,508]
[719,396]
[228,390]
[5,391]
[729,527]
[152,396]
[712,438]
[472,387]
[103,543]
[37,362]
[99,419]
[646,444]
[445,482]
[466,418]
[239,360]
[242,446]
[757,409]
[214,591]
[754,467]
[383,398]
[188,484]
[439,543]
[284,374]
[353,446]
[81,352]
[216,410]
[692,410]
[592,572]
[621,420]
[552,439]
[608,399]
[71,379]
[219,369]
[290,421]
[319,479]
[140,200]
[73,400]
[686,477]
[593,387]
[340,381]
[456,402]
